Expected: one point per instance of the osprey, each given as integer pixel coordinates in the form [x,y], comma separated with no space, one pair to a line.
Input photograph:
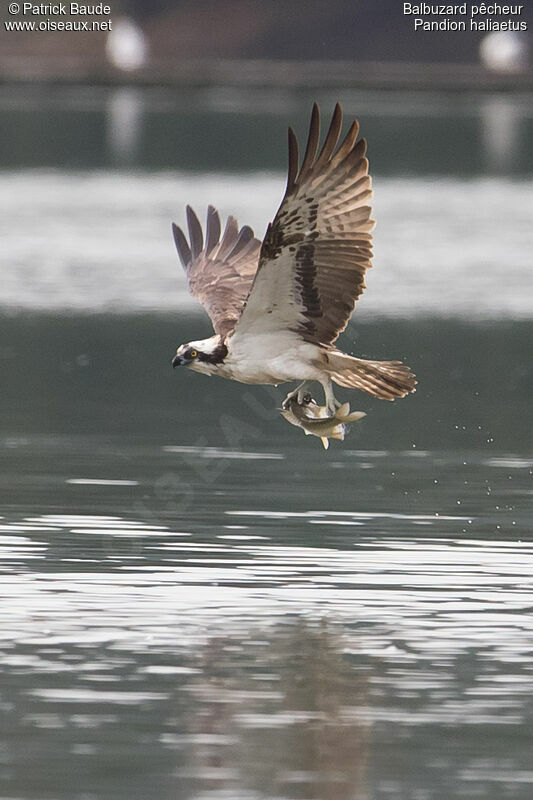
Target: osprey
[278,306]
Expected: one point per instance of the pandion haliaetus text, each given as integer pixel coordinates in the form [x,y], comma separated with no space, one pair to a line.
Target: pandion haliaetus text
[278,306]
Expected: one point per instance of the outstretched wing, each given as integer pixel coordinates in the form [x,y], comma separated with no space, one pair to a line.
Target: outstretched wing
[316,251]
[219,273]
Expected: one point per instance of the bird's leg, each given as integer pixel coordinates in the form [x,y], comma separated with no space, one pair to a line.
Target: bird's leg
[299,393]
[331,401]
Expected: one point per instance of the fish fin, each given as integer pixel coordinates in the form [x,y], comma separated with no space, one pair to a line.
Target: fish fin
[354,416]
[342,411]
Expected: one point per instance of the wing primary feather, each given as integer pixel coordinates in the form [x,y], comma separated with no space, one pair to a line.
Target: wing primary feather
[312,143]
[293,161]
[250,246]
[212,230]
[361,146]
[195,232]
[245,234]
[229,237]
[347,144]
[330,142]
[182,246]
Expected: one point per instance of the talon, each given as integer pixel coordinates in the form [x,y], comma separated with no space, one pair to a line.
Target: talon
[299,393]
[332,404]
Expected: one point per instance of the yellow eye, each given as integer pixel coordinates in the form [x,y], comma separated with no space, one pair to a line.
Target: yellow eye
[193,353]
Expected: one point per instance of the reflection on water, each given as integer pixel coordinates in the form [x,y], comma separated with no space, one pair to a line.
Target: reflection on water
[501,133]
[249,653]
[186,614]
[124,119]
[227,129]
[198,602]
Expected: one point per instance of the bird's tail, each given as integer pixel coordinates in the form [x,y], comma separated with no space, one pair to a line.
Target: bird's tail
[384,379]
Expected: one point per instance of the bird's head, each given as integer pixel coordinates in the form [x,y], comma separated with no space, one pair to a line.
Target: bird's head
[201,356]
[186,354]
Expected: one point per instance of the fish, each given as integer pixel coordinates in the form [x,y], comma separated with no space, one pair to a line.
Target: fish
[316,420]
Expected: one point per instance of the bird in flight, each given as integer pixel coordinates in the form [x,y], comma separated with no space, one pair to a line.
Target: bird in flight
[278,306]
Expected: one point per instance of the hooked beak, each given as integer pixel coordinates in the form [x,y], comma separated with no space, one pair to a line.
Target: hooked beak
[177,361]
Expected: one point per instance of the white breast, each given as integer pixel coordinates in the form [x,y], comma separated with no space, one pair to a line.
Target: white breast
[271,358]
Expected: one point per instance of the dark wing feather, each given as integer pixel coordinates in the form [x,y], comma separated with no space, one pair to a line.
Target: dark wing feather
[219,273]
[316,252]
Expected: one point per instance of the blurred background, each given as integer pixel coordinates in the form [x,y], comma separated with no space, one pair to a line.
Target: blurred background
[186,40]
[199,602]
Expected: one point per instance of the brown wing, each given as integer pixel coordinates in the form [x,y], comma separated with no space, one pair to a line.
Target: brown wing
[316,251]
[220,273]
